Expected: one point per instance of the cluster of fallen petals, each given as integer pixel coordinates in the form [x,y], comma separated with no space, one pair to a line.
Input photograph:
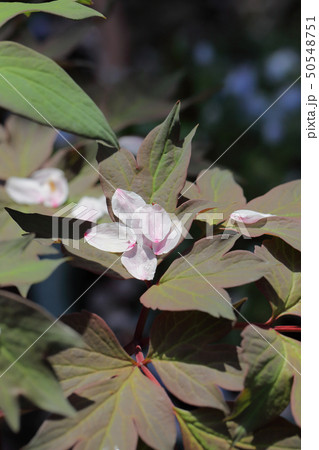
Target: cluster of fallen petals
[143,232]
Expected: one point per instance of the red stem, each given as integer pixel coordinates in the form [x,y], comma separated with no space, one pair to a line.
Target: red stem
[140,362]
[149,375]
[139,355]
[288,328]
[267,325]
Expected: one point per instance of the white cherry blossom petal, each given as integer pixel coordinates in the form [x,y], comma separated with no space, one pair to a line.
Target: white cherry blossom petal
[90,208]
[110,237]
[131,143]
[126,202]
[54,184]
[140,262]
[170,241]
[247,216]
[156,222]
[24,191]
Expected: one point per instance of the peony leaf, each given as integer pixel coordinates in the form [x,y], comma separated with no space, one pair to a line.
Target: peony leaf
[20,265]
[116,403]
[203,429]
[164,158]
[278,435]
[273,378]
[190,364]
[34,86]
[196,281]
[25,325]
[159,172]
[218,186]
[284,202]
[282,284]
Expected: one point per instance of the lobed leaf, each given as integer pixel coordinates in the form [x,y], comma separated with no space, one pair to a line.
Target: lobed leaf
[97,261]
[282,284]
[189,362]
[25,327]
[284,202]
[71,9]
[197,281]
[273,378]
[278,435]
[159,172]
[115,402]
[20,265]
[205,428]
[34,86]
[216,185]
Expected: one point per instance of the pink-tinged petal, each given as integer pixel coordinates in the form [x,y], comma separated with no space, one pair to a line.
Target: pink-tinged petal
[55,186]
[247,216]
[142,240]
[170,241]
[140,262]
[90,208]
[110,237]
[131,143]
[126,202]
[156,222]
[24,191]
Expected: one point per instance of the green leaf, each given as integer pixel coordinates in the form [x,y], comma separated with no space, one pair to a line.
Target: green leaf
[24,147]
[115,402]
[159,172]
[34,86]
[273,375]
[164,158]
[196,281]
[278,435]
[190,364]
[27,328]
[119,171]
[203,429]
[282,284]
[218,186]
[87,257]
[71,9]
[284,202]
[20,265]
